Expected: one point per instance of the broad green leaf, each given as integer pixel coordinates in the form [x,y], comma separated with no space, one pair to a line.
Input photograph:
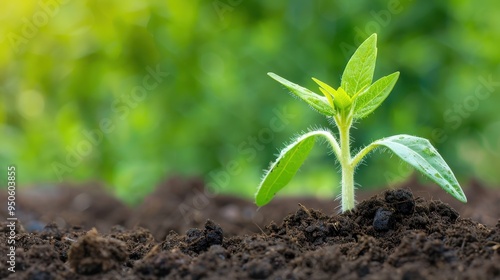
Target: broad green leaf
[316,101]
[369,100]
[419,153]
[358,73]
[284,168]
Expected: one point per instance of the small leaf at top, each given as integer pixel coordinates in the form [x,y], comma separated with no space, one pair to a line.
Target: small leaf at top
[419,153]
[284,168]
[369,99]
[340,98]
[328,96]
[316,101]
[359,70]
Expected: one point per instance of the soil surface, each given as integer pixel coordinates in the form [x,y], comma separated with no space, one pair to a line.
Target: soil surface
[182,232]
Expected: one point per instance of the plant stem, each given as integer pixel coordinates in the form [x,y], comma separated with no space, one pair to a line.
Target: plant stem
[347,167]
[361,154]
[330,138]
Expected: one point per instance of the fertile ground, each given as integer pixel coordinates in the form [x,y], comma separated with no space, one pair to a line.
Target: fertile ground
[181,232]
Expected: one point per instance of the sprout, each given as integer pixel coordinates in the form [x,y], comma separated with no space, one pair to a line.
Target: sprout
[355,99]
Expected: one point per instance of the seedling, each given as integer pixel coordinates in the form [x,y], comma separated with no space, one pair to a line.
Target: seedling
[355,99]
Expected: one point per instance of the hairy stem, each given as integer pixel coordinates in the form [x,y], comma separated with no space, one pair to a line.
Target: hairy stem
[361,154]
[329,137]
[347,167]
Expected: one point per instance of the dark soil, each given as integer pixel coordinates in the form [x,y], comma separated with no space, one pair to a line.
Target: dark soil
[181,232]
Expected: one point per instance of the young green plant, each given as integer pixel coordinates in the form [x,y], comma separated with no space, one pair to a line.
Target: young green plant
[355,99]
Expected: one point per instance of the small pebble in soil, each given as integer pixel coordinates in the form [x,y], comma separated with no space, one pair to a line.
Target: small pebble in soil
[402,200]
[383,220]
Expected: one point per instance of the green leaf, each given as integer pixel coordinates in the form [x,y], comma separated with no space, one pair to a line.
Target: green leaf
[419,153]
[358,73]
[371,98]
[316,101]
[328,96]
[340,97]
[284,168]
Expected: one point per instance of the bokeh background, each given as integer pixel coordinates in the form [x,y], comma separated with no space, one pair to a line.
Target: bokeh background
[132,92]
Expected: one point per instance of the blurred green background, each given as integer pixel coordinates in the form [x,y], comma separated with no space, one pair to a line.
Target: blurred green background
[132,92]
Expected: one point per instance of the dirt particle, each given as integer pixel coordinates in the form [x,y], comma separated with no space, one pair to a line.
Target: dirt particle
[412,274]
[402,200]
[51,231]
[162,263]
[206,263]
[444,210]
[318,232]
[200,240]
[258,269]
[93,254]
[40,275]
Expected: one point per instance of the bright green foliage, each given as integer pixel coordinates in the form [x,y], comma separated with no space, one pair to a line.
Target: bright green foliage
[317,102]
[419,153]
[358,73]
[368,100]
[340,98]
[356,98]
[285,167]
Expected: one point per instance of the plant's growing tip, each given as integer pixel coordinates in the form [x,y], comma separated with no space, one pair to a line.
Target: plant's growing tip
[354,99]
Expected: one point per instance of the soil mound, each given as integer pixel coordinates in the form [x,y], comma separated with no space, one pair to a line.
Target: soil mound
[392,235]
